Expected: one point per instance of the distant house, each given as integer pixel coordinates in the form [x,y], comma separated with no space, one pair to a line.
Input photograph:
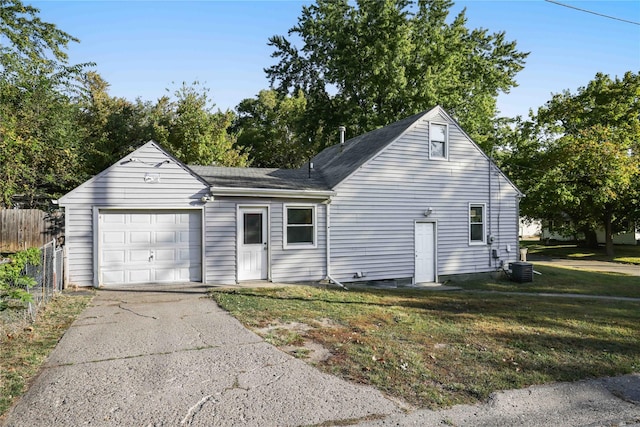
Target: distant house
[416,200]
[529,228]
[554,231]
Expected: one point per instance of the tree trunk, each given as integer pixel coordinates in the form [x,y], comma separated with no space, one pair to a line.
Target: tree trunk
[608,234]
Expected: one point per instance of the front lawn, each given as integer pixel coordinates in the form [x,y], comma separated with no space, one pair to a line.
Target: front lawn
[623,253]
[564,281]
[436,349]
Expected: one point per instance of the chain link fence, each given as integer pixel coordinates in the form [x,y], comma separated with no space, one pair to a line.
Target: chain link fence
[49,281]
[48,275]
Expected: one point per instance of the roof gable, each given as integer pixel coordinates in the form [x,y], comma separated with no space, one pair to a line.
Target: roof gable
[337,163]
[132,158]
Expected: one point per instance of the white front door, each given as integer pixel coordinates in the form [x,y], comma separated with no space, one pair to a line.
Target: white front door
[252,244]
[425,243]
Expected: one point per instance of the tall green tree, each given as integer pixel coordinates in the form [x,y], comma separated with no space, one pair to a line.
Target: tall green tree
[199,135]
[38,116]
[113,125]
[184,124]
[367,64]
[271,129]
[579,156]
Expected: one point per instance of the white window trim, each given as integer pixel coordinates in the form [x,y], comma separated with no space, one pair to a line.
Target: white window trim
[484,224]
[446,141]
[285,225]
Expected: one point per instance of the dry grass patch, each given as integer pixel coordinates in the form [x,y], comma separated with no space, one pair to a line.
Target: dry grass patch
[23,352]
[439,349]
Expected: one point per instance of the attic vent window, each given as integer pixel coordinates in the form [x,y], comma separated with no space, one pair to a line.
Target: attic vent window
[438,141]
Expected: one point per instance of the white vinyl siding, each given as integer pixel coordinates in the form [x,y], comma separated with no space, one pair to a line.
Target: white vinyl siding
[123,186]
[299,265]
[374,211]
[299,227]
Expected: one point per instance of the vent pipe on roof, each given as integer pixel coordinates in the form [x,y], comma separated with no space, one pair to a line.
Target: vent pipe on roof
[342,130]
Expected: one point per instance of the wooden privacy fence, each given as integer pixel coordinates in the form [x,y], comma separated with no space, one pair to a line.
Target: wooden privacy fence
[28,228]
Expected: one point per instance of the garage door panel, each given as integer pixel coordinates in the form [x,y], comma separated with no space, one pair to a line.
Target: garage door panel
[109,276]
[139,276]
[113,257]
[114,237]
[139,236]
[165,237]
[150,246]
[115,219]
[167,219]
[140,218]
[166,255]
[138,255]
[189,236]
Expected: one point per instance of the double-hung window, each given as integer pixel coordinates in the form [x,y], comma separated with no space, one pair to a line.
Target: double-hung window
[477,221]
[299,226]
[438,141]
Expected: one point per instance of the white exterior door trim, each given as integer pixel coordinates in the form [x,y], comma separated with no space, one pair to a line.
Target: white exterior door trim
[420,274]
[97,240]
[264,272]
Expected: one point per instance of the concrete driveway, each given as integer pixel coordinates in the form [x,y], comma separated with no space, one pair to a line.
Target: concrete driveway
[140,357]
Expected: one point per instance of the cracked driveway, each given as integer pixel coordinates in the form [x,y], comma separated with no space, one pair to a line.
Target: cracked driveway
[170,356]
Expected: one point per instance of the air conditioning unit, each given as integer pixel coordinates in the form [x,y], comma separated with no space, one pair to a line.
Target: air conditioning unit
[521,272]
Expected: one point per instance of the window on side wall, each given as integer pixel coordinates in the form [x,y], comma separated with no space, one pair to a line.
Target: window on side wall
[477,215]
[299,226]
[438,141]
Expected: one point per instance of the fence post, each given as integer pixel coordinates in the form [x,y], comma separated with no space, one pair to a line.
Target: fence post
[54,284]
[44,272]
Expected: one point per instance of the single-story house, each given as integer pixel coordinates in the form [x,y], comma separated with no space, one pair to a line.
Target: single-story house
[416,200]
[564,231]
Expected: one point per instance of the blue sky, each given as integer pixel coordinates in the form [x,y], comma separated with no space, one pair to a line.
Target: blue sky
[144,47]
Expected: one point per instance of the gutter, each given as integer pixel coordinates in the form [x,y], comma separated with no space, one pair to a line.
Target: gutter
[271,192]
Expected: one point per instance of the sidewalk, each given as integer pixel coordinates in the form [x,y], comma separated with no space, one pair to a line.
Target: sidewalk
[589,265]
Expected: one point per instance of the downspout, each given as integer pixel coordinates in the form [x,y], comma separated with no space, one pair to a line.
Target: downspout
[518,228]
[328,245]
[489,214]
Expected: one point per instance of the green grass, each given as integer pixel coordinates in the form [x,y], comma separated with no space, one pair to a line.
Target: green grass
[22,353]
[564,281]
[623,253]
[436,349]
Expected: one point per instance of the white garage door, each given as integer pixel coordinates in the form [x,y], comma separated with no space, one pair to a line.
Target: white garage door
[150,246]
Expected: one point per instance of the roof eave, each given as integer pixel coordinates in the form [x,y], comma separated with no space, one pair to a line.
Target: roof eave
[271,192]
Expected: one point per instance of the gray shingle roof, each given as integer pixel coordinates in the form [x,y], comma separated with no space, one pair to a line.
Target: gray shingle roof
[337,163]
[331,166]
[280,179]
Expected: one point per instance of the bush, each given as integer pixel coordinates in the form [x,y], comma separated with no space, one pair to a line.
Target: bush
[14,284]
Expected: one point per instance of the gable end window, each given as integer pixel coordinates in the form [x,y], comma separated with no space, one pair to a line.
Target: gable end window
[438,141]
[299,226]
[477,222]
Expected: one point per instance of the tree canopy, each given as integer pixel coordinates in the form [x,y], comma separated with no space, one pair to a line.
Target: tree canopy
[39,135]
[579,156]
[368,64]
[270,128]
